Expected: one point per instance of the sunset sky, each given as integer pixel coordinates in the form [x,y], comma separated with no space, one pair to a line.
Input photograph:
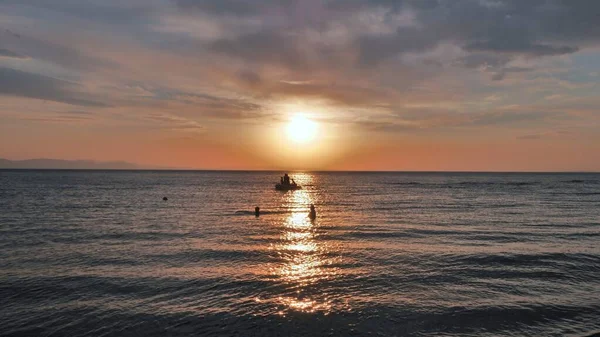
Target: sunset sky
[470,85]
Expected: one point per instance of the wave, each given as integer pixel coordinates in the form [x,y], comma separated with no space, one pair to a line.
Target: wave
[141,236]
[227,255]
[368,235]
[537,260]
[464,184]
[409,183]
[581,181]
[491,183]
[243,212]
[179,316]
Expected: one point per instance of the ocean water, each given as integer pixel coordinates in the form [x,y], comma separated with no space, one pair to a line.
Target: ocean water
[99,253]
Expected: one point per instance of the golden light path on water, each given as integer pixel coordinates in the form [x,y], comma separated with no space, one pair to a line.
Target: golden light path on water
[306,259]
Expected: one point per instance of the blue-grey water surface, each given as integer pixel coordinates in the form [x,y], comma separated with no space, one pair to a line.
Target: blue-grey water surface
[99,253]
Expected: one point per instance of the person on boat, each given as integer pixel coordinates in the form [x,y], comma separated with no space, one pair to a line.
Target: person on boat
[313,212]
[286,179]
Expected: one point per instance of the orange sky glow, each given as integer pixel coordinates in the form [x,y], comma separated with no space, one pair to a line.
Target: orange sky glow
[303,85]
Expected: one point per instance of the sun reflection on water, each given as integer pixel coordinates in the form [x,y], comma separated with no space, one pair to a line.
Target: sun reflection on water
[306,260]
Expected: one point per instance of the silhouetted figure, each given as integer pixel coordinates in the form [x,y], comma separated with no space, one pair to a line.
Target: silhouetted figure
[165,198]
[257,211]
[313,212]
[285,184]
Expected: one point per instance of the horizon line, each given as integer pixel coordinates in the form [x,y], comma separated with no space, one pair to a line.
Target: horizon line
[283,170]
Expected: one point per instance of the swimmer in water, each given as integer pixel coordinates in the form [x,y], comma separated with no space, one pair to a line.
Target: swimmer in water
[313,213]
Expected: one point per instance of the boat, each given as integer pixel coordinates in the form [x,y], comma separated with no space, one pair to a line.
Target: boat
[286,185]
[290,187]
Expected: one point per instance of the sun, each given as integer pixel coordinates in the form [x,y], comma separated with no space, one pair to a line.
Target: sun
[301,129]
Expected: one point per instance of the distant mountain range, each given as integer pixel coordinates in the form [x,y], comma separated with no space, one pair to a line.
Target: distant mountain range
[69,164]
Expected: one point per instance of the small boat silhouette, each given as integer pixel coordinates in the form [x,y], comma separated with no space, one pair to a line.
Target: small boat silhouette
[290,187]
[286,185]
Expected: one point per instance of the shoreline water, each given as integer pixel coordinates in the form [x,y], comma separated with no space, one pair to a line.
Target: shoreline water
[389,254]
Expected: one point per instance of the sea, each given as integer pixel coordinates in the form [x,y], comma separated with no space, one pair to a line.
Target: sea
[100,253]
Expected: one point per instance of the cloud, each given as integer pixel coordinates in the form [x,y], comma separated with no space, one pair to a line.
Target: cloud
[530,137]
[511,26]
[389,126]
[546,134]
[55,116]
[70,58]
[249,77]
[315,41]
[423,119]
[342,94]
[516,117]
[521,47]
[57,119]
[374,55]
[263,47]
[470,70]
[203,104]
[176,123]
[374,49]
[106,11]
[501,74]
[223,107]
[483,60]
[231,7]
[24,84]
[8,53]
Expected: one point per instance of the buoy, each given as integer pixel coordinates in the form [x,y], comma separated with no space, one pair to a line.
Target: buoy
[165,199]
[257,211]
